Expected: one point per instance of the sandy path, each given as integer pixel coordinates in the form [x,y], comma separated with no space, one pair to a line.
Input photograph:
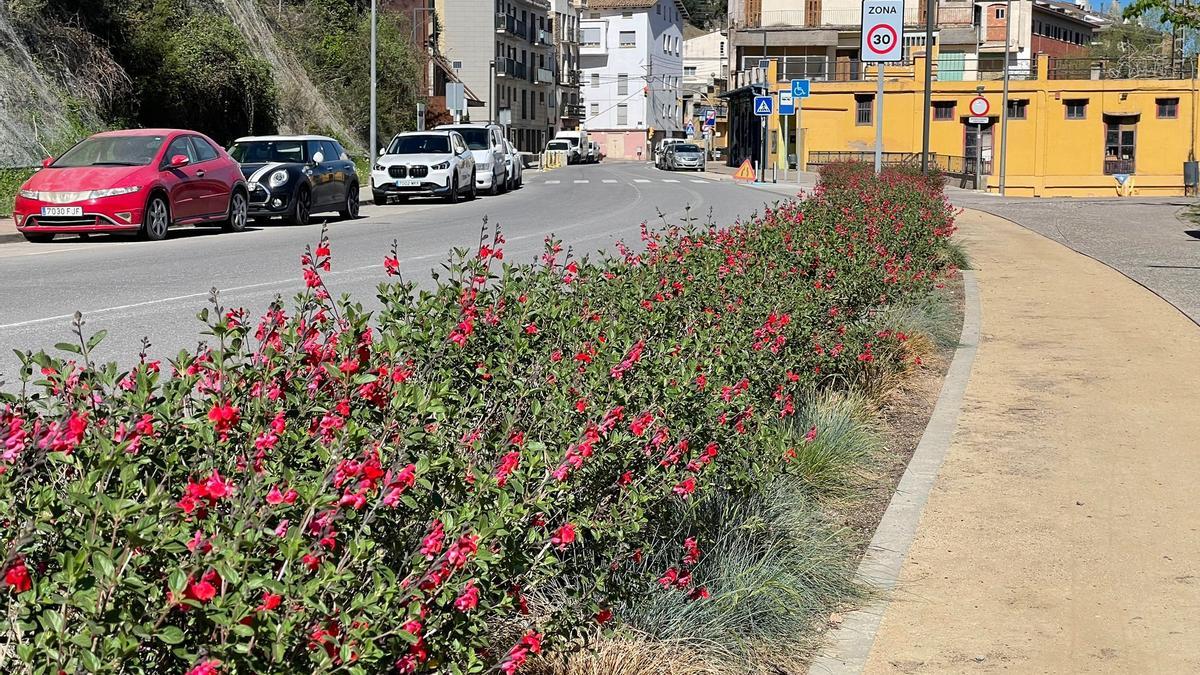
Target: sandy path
[1063,533]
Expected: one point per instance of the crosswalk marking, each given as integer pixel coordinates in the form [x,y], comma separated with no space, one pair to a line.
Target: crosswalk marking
[608,180]
[670,180]
[553,182]
[699,180]
[641,180]
[581,181]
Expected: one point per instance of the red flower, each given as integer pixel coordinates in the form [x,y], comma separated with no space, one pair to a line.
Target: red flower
[604,616]
[468,599]
[206,667]
[531,329]
[204,590]
[391,265]
[639,425]
[269,602]
[669,578]
[508,464]
[693,551]
[685,487]
[433,542]
[811,435]
[17,576]
[564,537]
[223,416]
[700,593]
[626,478]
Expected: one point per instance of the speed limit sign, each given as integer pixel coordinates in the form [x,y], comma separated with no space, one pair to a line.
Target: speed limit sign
[882,31]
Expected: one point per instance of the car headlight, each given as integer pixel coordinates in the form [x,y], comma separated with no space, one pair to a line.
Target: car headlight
[279,177]
[31,194]
[113,192]
[441,167]
[380,167]
[484,165]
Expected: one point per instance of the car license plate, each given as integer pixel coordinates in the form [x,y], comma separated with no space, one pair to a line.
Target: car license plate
[408,183]
[62,210]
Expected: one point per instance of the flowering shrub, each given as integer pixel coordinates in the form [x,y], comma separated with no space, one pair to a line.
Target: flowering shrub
[471,476]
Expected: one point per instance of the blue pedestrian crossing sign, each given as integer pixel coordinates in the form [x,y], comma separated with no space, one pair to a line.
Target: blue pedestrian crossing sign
[764,105]
[800,88]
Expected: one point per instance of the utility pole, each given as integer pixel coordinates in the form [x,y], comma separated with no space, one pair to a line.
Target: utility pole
[930,8]
[1008,19]
[373,149]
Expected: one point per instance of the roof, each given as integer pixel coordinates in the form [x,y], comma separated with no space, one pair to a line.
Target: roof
[690,31]
[285,138]
[438,131]
[1066,10]
[634,4]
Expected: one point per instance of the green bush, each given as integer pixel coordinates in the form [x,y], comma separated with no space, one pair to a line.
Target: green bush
[10,182]
[475,473]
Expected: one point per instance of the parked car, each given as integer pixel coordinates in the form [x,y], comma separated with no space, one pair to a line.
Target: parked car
[684,156]
[296,177]
[578,140]
[138,180]
[660,151]
[435,163]
[514,164]
[594,155]
[486,142]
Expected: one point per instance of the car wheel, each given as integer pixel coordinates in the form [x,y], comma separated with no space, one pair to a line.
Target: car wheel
[156,220]
[474,187]
[350,208]
[236,221]
[495,189]
[504,183]
[302,206]
[379,198]
[520,180]
[37,238]
[453,196]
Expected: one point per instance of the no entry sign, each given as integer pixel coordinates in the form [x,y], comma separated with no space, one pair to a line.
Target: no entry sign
[980,106]
[882,31]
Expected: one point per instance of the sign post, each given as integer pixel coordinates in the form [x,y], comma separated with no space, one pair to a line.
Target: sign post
[882,28]
[801,90]
[787,108]
[764,108]
[456,99]
[979,108]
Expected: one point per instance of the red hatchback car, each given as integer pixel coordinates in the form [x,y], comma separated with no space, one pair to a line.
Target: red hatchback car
[140,180]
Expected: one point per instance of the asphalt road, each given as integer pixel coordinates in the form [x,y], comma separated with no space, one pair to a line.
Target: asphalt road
[154,289]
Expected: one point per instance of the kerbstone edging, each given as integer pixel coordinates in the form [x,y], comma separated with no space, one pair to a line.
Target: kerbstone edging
[850,644]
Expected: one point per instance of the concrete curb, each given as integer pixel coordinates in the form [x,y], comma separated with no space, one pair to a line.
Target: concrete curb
[850,645]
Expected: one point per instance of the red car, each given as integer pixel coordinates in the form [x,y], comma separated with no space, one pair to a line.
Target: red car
[140,180]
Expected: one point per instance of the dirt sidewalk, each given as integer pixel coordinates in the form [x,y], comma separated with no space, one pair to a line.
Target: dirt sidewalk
[1063,532]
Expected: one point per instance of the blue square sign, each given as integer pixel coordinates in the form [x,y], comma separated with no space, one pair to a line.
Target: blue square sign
[764,105]
[800,88]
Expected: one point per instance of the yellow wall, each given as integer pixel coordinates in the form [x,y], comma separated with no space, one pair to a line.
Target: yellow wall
[1048,155]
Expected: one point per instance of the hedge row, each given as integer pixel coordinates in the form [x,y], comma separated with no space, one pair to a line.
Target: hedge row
[471,476]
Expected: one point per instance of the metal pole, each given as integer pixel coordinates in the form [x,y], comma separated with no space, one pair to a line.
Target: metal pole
[786,142]
[799,135]
[879,118]
[1008,19]
[930,7]
[978,156]
[492,92]
[373,149]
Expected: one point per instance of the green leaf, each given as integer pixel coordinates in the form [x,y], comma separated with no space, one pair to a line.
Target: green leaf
[96,339]
[103,564]
[171,635]
[68,347]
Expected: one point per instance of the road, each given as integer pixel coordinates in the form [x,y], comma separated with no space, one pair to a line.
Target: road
[154,289]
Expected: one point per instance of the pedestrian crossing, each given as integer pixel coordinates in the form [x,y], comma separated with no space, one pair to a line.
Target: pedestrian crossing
[614,181]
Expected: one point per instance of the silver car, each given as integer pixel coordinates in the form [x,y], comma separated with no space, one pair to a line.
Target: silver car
[685,156]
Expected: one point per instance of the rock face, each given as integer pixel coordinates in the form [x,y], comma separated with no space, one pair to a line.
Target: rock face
[31,110]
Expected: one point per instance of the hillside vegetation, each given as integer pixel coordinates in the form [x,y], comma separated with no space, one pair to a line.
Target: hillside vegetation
[223,67]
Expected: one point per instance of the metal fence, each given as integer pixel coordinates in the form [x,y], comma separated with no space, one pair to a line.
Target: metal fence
[820,68]
[833,16]
[1130,68]
[1018,69]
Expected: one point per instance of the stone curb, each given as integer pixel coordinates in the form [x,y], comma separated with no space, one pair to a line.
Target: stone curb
[850,644]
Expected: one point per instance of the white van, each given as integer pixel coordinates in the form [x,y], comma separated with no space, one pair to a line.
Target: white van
[579,144]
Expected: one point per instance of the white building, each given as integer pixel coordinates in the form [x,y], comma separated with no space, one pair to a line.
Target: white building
[705,58]
[631,58]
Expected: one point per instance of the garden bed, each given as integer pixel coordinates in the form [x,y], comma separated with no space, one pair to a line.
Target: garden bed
[661,454]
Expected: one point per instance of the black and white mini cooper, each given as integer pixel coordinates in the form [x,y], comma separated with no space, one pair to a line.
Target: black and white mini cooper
[297,176]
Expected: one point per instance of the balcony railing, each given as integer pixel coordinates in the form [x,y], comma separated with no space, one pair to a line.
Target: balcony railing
[506,67]
[1113,167]
[507,23]
[542,38]
[817,68]
[1131,68]
[543,76]
[834,17]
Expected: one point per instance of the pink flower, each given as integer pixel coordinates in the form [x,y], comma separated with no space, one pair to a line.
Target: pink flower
[508,464]
[16,577]
[811,435]
[206,667]
[391,265]
[463,550]
[468,599]
[281,530]
[692,549]
[685,487]
[223,416]
[564,536]
[669,578]
[433,542]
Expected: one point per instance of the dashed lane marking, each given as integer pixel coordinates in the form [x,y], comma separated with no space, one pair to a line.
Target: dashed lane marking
[608,180]
[581,181]
[641,180]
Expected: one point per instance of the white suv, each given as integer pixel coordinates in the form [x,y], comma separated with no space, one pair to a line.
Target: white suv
[424,164]
[486,142]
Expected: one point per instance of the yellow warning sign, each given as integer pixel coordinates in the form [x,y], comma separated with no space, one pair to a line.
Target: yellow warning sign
[745,171]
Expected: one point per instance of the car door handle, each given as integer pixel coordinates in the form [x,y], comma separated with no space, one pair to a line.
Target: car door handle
[200,173]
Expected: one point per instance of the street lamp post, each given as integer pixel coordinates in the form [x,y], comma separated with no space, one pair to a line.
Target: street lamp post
[1008,18]
[930,8]
[372,147]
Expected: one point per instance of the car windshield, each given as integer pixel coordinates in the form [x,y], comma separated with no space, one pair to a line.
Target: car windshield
[687,147]
[476,138]
[571,141]
[261,152]
[112,151]
[558,145]
[423,144]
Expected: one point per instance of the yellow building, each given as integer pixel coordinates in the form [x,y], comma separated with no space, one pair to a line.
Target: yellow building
[1067,137]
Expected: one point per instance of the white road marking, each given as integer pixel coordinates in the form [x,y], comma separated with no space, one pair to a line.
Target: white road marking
[641,180]
[608,180]
[582,181]
[699,180]
[553,182]
[669,180]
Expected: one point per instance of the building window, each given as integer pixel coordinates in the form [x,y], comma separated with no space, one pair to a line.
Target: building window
[622,114]
[589,37]
[595,110]
[622,84]
[523,102]
[1076,108]
[627,15]
[689,71]
[1017,108]
[999,12]
[863,108]
[595,80]
[943,110]
[1120,141]
[1168,108]
[628,38]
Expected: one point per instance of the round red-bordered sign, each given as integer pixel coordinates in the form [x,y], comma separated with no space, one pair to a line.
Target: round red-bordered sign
[979,106]
[891,44]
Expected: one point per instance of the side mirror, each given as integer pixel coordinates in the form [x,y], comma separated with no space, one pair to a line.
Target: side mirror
[178,161]
[382,151]
[47,162]
[318,157]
